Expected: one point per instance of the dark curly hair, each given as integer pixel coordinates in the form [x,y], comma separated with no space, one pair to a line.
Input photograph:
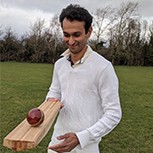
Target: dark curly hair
[75,12]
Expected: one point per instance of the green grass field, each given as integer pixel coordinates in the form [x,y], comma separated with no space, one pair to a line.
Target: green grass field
[25,85]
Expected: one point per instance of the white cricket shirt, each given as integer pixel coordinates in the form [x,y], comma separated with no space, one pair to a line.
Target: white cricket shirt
[89,92]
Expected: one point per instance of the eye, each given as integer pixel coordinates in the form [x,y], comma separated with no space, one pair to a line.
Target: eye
[66,35]
[77,34]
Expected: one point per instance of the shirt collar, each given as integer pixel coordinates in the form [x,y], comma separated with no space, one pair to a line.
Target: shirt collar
[66,54]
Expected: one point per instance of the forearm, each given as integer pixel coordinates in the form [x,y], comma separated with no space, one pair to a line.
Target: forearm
[101,128]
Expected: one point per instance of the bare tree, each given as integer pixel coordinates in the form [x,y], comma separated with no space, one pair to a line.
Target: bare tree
[123,18]
[1,31]
[36,40]
[102,21]
[56,33]
[37,28]
[151,29]
[144,28]
[41,43]
[9,46]
[149,53]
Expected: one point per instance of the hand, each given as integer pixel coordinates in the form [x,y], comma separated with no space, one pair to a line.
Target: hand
[70,141]
[55,100]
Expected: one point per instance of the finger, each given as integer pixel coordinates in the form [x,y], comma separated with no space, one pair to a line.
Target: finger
[53,99]
[58,150]
[62,105]
[61,137]
[57,146]
[56,99]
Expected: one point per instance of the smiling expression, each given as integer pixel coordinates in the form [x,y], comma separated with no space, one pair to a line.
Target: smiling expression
[75,36]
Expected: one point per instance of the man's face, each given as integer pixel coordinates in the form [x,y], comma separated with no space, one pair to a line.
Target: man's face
[75,36]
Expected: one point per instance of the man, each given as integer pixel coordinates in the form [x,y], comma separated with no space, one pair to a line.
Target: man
[87,87]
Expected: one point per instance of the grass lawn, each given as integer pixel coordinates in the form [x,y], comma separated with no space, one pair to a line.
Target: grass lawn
[25,85]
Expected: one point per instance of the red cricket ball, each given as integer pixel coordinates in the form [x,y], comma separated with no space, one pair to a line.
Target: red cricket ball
[35,117]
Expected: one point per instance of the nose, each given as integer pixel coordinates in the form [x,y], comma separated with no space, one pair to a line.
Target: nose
[71,41]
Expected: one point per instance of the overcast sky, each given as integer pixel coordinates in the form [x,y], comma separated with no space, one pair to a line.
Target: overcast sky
[20,14]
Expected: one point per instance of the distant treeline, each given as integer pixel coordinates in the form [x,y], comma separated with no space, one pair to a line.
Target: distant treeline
[119,34]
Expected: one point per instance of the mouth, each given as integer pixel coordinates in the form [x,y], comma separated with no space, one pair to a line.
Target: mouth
[74,45]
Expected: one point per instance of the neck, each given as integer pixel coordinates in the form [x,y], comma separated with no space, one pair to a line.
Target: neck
[78,56]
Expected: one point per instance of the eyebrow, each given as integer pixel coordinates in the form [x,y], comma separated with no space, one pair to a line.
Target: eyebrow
[77,32]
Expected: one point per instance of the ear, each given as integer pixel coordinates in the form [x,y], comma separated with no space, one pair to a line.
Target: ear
[89,32]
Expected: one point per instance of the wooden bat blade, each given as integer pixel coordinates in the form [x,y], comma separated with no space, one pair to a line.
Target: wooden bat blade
[24,136]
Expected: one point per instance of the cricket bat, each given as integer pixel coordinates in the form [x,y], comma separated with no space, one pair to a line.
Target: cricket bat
[24,136]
